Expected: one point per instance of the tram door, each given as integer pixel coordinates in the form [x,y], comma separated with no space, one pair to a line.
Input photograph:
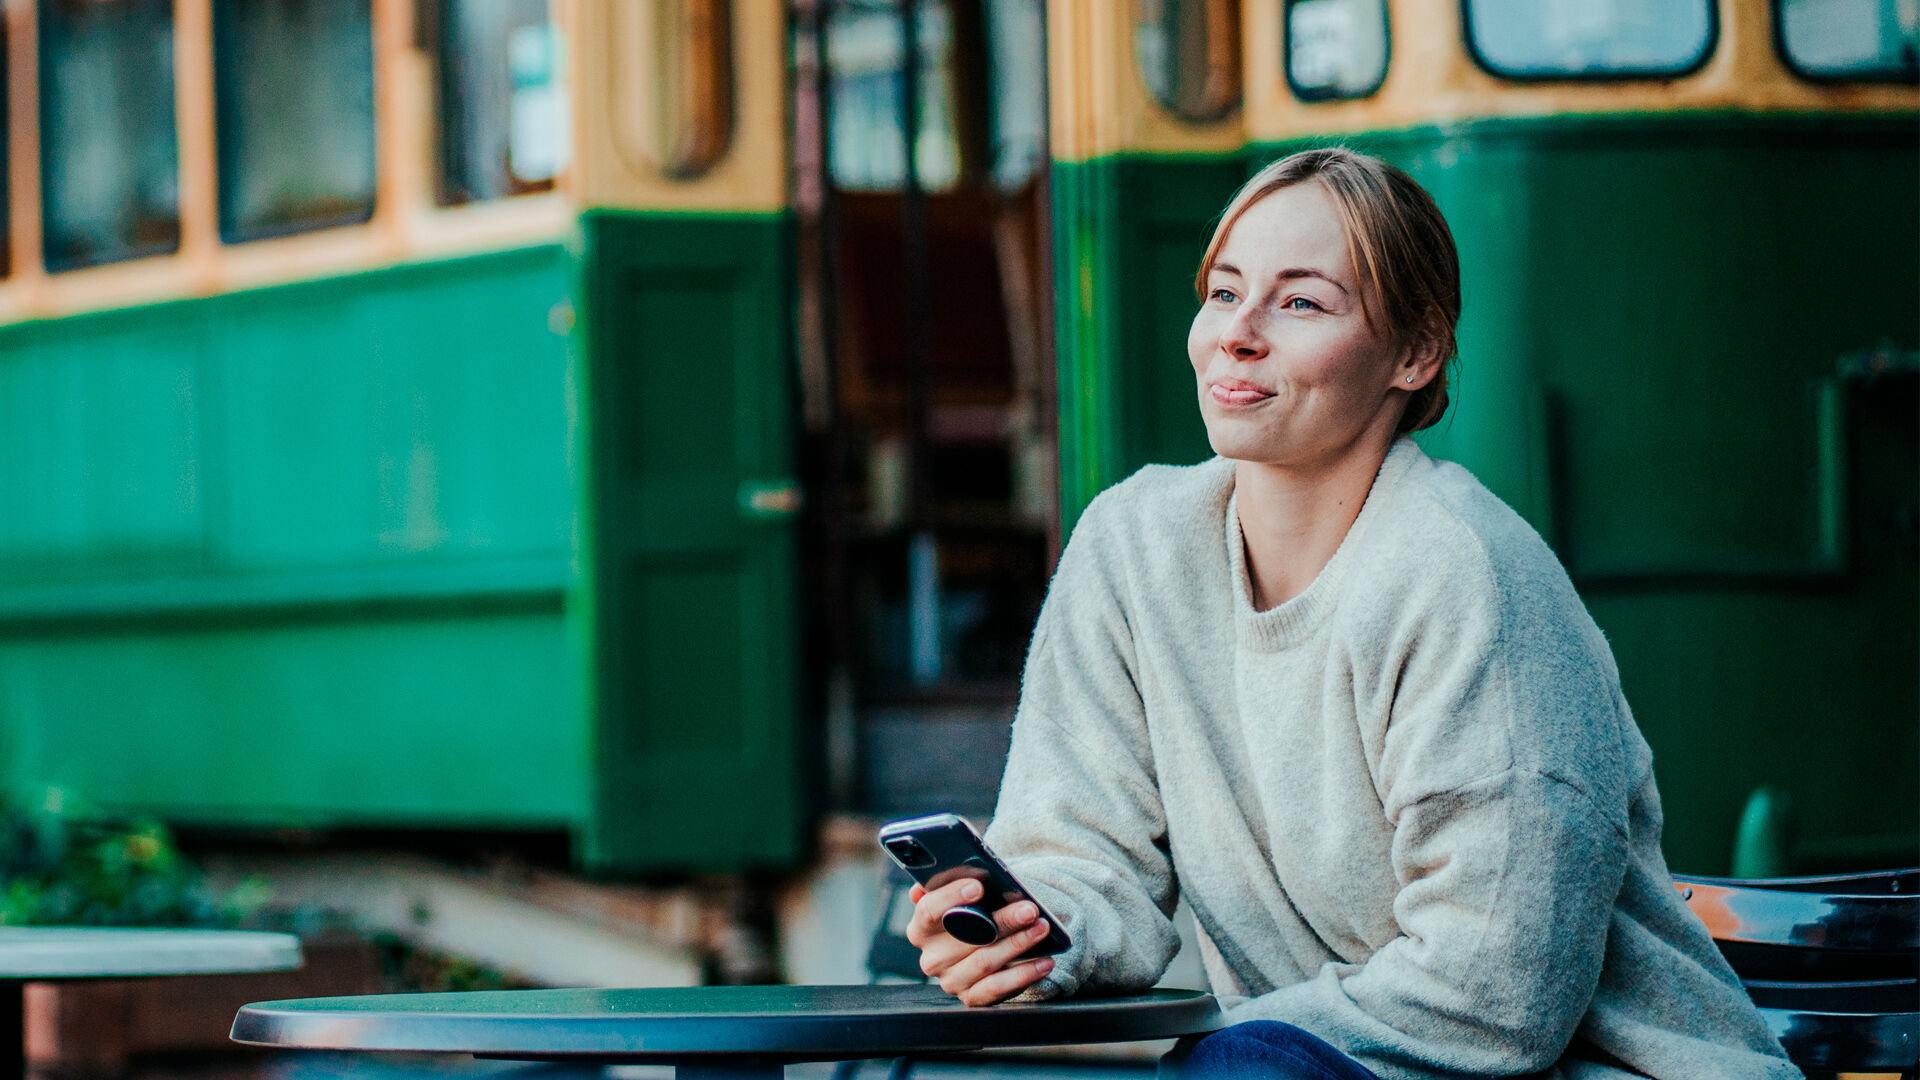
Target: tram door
[683,379]
[927,379]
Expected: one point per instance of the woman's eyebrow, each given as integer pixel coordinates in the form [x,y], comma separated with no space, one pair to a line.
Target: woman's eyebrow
[1293,272]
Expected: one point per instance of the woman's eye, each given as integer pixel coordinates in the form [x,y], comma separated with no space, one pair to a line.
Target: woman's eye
[1301,303]
[1225,296]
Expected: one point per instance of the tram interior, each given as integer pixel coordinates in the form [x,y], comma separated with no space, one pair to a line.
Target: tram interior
[927,392]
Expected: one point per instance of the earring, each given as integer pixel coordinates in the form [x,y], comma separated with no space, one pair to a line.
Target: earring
[1409,378]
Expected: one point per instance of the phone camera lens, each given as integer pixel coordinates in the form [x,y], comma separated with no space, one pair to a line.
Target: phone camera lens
[908,853]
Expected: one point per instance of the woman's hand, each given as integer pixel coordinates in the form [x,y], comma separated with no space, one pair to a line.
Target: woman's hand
[977,975]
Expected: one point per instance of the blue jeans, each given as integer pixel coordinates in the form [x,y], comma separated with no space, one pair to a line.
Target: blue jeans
[1264,1049]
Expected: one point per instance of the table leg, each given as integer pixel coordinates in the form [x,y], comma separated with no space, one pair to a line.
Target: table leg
[734,1069]
[13,1029]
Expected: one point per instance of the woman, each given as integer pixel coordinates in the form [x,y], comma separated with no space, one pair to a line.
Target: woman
[1346,703]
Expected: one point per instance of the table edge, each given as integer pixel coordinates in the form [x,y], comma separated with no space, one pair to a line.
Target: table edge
[818,1036]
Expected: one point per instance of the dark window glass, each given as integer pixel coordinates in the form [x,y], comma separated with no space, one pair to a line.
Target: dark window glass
[863,61]
[293,82]
[110,175]
[1566,39]
[1852,39]
[1189,54]
[503,107]
[1336,48]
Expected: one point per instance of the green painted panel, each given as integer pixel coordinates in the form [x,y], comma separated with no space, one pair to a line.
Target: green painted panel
[1128,235]
[81,479]
[1661,304]
[467,722]
[297,555]
[1631,351]
[458,422]
[411,419]
[687,597]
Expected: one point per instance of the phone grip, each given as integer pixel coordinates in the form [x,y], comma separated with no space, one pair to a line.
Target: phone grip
[971,925]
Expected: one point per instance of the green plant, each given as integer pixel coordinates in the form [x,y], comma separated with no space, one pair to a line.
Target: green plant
[408,968]
[65,861]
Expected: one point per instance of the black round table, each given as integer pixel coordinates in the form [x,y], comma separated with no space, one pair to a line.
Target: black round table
[714,1032]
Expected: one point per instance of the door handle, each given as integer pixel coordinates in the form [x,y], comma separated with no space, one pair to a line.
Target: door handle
[769,500]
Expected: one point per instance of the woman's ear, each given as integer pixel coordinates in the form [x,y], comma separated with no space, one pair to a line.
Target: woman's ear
[1420,363]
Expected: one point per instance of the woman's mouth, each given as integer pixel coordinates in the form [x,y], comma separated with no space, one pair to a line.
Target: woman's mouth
[1231,392]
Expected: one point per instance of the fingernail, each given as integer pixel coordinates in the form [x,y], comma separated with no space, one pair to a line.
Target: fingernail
[1043,966]
[970,891]
[1028,910]
[1038,929]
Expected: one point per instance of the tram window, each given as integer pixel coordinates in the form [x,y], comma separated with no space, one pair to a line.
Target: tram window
[1851,39]
[1336,48]
[502,107]
[1189,54]
[1570,39]
[863,61]
[293,84]
[679,111]
[108,152]
[1017,52]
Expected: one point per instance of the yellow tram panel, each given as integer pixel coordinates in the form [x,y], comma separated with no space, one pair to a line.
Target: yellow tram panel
[617,45]
[1432,79]
[1100,102]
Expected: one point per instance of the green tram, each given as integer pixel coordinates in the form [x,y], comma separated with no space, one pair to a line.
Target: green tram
[589,418]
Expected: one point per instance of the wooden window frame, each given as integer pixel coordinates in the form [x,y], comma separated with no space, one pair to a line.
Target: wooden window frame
[406,225]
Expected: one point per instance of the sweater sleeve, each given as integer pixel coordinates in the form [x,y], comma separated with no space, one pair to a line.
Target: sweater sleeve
[1503,776]
[1079,819]
[1507,885]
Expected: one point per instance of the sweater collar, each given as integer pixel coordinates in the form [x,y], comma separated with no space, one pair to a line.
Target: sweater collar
[1279,627]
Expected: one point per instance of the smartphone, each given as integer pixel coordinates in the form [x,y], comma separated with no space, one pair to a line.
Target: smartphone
[940,849]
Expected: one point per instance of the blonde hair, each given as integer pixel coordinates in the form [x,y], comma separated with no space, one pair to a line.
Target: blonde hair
[1398,244]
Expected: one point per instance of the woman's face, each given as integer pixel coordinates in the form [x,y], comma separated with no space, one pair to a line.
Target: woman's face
[1290,373]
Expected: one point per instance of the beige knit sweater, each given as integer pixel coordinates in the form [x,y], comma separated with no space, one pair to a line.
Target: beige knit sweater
[1409,807]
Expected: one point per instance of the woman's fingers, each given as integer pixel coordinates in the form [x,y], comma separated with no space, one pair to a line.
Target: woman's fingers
[938,957]
[925,927]
[1014,916]
[1006,982]
[977,976]
[977,966]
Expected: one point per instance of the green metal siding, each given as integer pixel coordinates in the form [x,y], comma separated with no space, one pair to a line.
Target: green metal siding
[297,556]
[409,722]
[1654,312]
[1128,234]
[688,597]
[1662,303]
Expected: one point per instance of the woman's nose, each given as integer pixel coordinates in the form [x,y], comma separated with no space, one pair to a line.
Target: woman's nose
[1242,338]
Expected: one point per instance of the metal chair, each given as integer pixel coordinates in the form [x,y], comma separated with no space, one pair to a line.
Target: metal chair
[1832,962]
